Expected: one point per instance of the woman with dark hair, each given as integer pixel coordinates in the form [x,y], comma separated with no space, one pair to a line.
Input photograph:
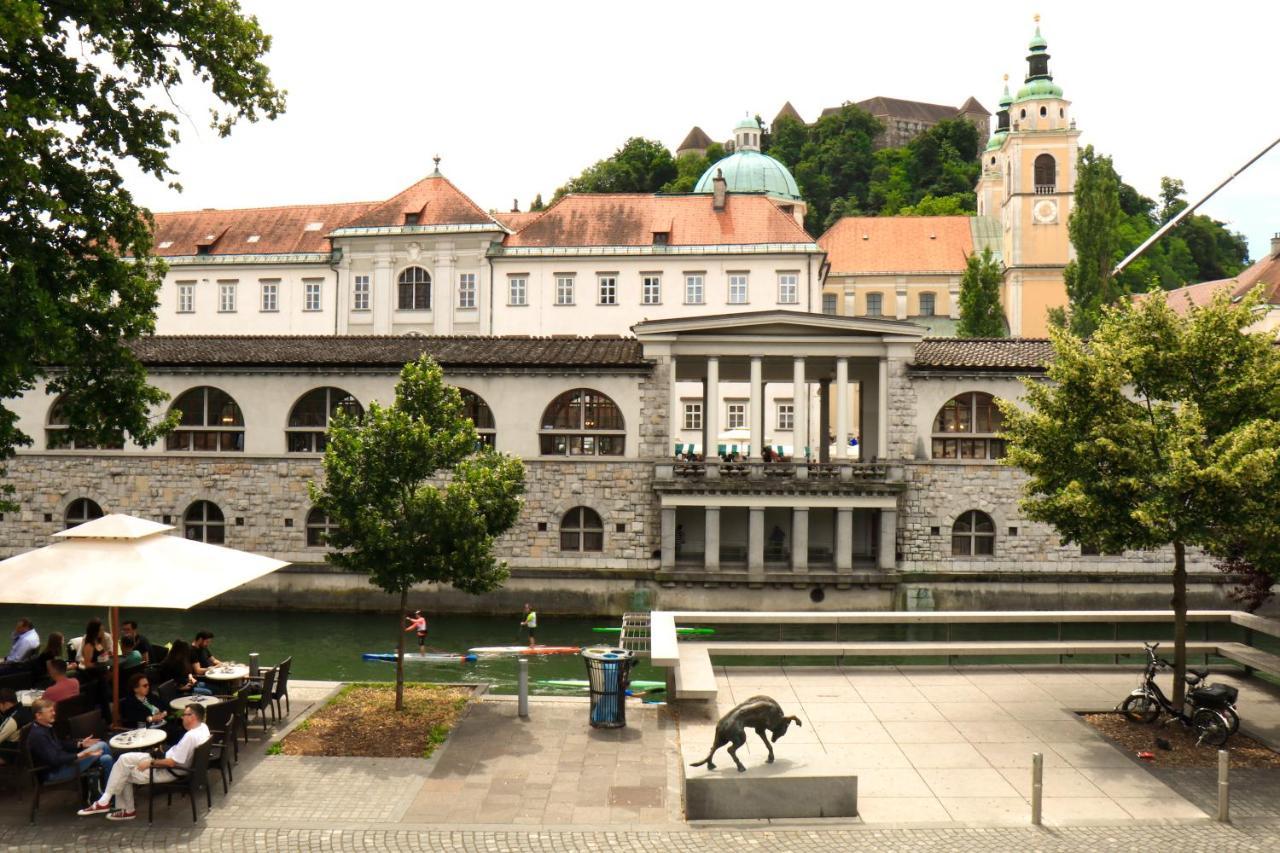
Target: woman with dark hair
[95,647]
[53,649]
[176,667]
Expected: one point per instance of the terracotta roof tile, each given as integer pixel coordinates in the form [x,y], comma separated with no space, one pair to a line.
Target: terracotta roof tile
[1265,272]
[515,220]
[619,219]
[211,351]
[1030,355]
[434,200]
[915,110]
[890,244]
[278,230]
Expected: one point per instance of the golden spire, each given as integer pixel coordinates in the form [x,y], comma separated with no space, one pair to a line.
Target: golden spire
[1037,17]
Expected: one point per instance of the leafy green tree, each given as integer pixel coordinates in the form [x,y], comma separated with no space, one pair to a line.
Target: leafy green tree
[1160,431]
[639,166]
[947,205]
[941,162]
[980,313]
[81,83]
[537,204]
[414,495]
[691,166]
[1093,226]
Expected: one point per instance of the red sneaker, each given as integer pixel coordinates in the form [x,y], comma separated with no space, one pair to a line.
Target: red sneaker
[93,809]
[121,814]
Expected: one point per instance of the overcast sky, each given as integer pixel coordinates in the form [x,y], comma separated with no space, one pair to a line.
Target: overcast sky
[518,97]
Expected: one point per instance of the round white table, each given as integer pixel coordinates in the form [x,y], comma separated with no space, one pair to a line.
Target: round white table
[27,697]
[183,701]
[227,675]
[137,740]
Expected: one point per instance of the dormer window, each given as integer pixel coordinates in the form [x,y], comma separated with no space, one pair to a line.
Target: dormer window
[411,218]
[202,248]
[661,238]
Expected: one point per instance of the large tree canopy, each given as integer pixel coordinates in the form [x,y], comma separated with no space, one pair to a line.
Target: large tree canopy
[639,166]
[1158,431]
[80,84]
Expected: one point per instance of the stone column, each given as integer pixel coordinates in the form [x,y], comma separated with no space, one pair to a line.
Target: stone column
[668,538]
[711,412]
[887,554]
[842,408]
[900,297]
[675,415]
[342,295]
[711,535]
[844,539]
[755,422]
[442,298]
[800,539]
[824,419]
[383,295]
[755,542]
[800,402]
[882,415]
[953,294]
[705,454]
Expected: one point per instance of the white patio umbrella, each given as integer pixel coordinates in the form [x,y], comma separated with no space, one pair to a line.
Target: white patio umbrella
[122,561]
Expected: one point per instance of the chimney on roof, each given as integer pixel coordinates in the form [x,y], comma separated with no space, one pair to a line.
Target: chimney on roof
[1275,245]
[515,205]
[719,191]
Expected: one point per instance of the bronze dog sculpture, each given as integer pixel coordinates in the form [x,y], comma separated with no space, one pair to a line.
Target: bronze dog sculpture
[759,713]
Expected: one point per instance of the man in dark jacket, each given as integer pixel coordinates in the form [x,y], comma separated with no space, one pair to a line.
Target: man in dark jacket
[12,718]
[59,758]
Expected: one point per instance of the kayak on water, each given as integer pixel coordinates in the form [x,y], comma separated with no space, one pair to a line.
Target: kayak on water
[525,650]
[428,657]
[582,683]
[692,631]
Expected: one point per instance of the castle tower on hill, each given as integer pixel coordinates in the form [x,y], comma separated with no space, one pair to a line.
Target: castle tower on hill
[1027,183]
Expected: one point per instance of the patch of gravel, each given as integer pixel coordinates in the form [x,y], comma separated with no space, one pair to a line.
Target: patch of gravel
[1134,737]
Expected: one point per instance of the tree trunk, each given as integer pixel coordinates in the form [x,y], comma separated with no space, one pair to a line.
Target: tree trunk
[404,608]
[1179,603]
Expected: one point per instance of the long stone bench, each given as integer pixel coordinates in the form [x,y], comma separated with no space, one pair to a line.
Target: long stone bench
[1251,658]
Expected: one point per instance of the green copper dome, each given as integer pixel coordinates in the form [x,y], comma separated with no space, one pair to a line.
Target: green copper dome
[751,172]
[1037,41]
[1039,88]
[997,139]
[1006,100]
[747,124]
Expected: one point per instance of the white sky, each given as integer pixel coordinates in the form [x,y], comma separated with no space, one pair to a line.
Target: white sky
[518,97]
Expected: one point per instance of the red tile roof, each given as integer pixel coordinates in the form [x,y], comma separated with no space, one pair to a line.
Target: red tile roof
[1265,272]
[515,220]
[1030,355]
[279,230]
[435,201]
[622,219]
[892,244]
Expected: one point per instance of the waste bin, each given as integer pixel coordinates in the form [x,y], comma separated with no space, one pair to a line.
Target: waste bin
[608,674]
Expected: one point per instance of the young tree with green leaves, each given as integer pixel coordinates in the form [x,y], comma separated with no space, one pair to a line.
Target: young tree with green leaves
[690,167]
[639,166]
[81,84]
[1159,431]
[1093,226]
[981,315]
[415,497]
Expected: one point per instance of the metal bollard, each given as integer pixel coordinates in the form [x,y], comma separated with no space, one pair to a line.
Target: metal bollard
[1224,787]
[523,689]
[1037,786]
[254,670]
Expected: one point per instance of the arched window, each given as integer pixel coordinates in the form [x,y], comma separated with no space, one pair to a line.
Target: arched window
[1046,169]
[310,416]
[582,422]
[318,526]
[966,427]
[415,290]
[203,522]
[57,432]
[210,421]
[79,511]
[973,535]
[474,407]
[581,530]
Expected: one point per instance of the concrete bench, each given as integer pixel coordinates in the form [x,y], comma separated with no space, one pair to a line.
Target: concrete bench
[1251,658]
[695,677]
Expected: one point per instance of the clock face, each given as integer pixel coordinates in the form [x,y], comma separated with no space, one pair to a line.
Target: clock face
[1046,211]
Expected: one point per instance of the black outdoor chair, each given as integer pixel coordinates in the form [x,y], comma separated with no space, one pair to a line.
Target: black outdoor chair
[78,779]
[262,701]
[22,679]
[196,780]
[166,693]
[282,685]
[220,754]
[86,724]
[73,706]
[240,713]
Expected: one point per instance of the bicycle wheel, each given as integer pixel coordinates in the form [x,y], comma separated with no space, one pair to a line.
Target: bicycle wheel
[1232,718]
[1211,727]
[1140,709]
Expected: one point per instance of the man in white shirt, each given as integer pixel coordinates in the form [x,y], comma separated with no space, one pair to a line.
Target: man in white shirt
[135,768]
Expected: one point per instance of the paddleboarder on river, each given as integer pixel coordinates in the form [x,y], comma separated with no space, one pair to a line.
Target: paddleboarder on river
[530,623]
[418,622]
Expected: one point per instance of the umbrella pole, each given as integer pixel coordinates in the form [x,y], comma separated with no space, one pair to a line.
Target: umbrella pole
[115,667]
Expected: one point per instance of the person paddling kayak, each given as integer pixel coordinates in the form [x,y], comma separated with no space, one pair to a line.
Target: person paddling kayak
[418,622]
[530,623]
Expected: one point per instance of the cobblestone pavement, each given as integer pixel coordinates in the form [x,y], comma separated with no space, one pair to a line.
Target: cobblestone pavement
[1211,838]
[1254,792]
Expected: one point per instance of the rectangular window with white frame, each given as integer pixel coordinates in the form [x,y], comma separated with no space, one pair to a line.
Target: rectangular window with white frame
[311,294]
[695,292]
[651,289]
[693,414]
[927,304]
[564,290]
[360,293]
[738,288]
[517,290]
[467,290]
[270,296]
[829,303]
[788,288]
[786,419]
[735,414]
[186,297]
[875,304]
[226,297]
[608,291]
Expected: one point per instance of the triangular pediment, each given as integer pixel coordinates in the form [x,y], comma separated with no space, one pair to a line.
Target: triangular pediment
[778,324]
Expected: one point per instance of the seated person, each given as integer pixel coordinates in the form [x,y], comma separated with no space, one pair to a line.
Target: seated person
[129,628]
[58,759]
[63,687]
[40,663]
[136,768]
[129,654]
[140,707]
[12,718]
[26,645]
[177,667]
[201,657]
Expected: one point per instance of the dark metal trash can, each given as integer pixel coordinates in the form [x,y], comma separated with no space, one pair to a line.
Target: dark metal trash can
[608,676]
